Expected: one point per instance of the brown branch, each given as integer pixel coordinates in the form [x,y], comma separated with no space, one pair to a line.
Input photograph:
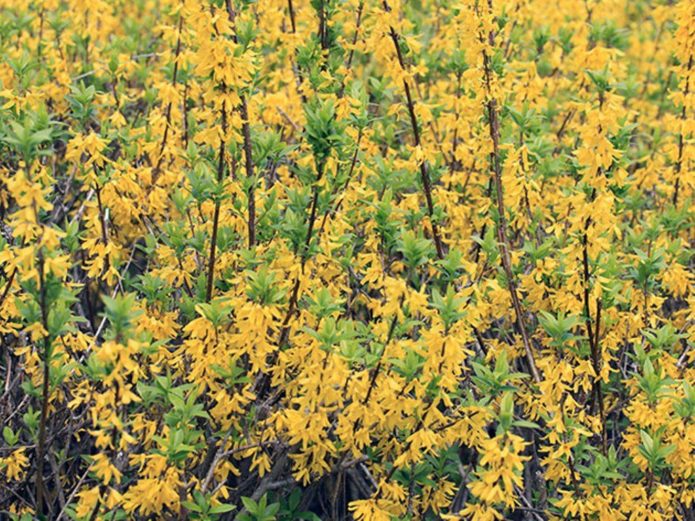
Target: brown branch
[493,123]
[177,52]
[216,215]
[290,8]
[336,208]
[248,151]
[42,503]
[681,137]
[246,131]
[354,37]
[261,383]
[424,173]
[8,286]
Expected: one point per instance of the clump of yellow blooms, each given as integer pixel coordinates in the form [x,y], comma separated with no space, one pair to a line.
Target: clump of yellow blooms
[347,259]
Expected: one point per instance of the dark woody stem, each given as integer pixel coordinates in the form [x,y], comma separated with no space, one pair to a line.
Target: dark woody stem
[493,124]
[424,172]
[216,215]
[248,151]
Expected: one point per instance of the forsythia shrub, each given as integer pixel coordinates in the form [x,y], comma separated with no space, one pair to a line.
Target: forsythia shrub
[347,259]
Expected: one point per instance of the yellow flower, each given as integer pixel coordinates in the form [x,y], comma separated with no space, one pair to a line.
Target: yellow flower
[15,464]
[104,469]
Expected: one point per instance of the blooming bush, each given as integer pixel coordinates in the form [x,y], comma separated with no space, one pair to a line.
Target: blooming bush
[347,259]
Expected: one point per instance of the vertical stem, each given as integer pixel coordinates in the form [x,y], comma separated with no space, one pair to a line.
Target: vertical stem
[102,217]
[338,204]
[323,32]
[303,253]
[39,45]
[246,131]
[355,36]
[41,444]
[177,52]
[290,8]
[493,121]
[8,286]
[297,71]
[424,173]
[185,116]
[261,383]
[248,151]
[681,137]
[216,215]
[102,221]
[597,370]
[593,334]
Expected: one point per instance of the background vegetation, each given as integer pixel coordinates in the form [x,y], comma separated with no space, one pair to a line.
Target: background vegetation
[346,259]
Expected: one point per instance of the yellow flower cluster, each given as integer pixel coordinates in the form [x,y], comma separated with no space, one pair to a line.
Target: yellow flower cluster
[347,259]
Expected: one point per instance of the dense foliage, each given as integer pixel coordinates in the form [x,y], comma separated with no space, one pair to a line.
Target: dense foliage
[347,259]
